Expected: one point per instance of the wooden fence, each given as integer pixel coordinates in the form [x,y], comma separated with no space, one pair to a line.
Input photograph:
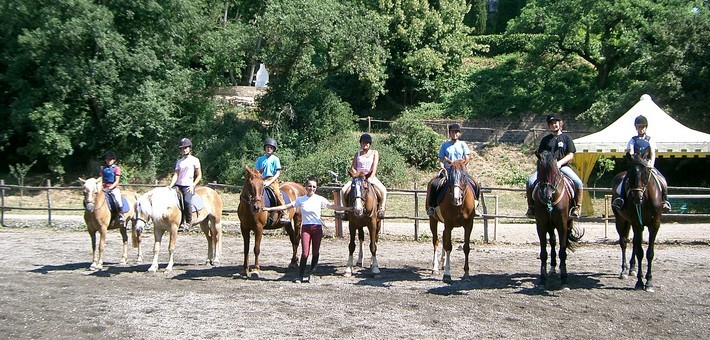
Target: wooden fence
[488,207]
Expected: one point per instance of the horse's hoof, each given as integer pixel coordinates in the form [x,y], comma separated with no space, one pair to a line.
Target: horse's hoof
[348,273]
[152,270]
[358,264]
[639,286]
[622,276]
[632,274]
[447,279]
[255,275]
[216,263]
[565,288]
[650,289]
[139,260]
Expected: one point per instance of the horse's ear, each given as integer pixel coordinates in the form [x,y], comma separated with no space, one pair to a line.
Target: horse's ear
[82,180]
[537,154]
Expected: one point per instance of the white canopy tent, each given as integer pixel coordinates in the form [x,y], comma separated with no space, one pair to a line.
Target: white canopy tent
[673,139]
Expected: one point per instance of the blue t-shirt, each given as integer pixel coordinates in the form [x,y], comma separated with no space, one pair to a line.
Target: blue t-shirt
[453,151]
[268,165]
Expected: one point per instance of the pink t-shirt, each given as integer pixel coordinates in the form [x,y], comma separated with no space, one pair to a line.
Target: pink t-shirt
[185,168]
[364,163]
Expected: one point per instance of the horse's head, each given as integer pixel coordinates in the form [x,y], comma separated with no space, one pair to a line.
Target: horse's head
[143,211]
[92,189]
[359,192]
[458,181]
[253,189]
[548,176]
[638,177]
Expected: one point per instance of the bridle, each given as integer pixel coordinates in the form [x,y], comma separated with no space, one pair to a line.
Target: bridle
[360,192]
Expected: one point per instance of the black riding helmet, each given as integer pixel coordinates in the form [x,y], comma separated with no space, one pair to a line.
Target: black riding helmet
[366,138]
[455,127]
[185,142]
[641,120]
[552,118]
[110,155]
[270,142]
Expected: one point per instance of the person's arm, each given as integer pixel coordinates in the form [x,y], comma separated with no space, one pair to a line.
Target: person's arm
[338,207]
[198,178]
[273,178]
[566,159]
[353,166]
[281,207]
[652,158]
[630,147]
[375,162]
[173,180]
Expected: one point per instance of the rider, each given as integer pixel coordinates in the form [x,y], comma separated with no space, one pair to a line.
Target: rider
[365,164]
[643,145]
[312,227]
[562,146]
[452,150]
[111,176]
[270,167]
[187,175]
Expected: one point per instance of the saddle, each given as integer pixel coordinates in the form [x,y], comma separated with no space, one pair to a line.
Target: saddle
[568,185]
[113,205]
[348,199]
[196,203]
[440,184]
[271,201]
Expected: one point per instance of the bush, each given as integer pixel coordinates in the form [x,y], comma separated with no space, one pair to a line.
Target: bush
[415,141]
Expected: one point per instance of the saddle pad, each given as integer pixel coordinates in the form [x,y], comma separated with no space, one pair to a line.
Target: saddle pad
[196,203]
[270,198]
[125,207]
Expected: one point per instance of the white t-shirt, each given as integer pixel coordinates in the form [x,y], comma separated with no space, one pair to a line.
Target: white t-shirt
[311,208]
[185,168]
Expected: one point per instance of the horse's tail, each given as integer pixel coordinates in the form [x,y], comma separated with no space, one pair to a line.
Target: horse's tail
[573,236]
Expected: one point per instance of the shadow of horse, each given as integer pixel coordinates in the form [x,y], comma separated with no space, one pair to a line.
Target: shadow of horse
[363,198]
[553,197]
[642,209]
[523,282]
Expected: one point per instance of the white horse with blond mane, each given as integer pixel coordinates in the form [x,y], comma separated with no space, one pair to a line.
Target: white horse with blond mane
[160,205]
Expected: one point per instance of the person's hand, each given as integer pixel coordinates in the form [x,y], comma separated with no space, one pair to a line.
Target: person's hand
[191,189]
[107,190]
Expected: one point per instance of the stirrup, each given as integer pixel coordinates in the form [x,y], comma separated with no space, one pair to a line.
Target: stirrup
[431,211]
[618,203]
[666,206]
[575,212]
[381,213]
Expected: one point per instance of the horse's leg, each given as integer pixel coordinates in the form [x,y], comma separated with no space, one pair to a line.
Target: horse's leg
[623,228]
[652,232]
[562,231]
[171,247]
[295,238]
[553,255]
[468,227]
[373,230]
[216,229]
[638,251]
[351,250]
[246,234]
[258,234]
[102,246]
[435,241]
[158,235]
[542,236]
[361,240]
[94,253]
[447,247]
[209,235]
[124,237]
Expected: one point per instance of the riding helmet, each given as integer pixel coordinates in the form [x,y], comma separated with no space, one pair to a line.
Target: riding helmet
[270,142]
[366,138]
[641,120]
[110,155]
[185,142]
[455,127]
[552,118]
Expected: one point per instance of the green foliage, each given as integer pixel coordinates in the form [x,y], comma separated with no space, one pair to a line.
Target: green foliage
[507,43]
[511,174]
[477,16]
[415,141]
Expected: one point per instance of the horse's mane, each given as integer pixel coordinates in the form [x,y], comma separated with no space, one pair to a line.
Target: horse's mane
[547,170]
[158,201]
[637,167]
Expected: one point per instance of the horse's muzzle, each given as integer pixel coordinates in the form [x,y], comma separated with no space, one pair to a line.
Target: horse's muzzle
[89,207]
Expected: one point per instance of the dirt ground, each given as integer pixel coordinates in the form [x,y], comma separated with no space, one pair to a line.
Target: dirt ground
[47,290]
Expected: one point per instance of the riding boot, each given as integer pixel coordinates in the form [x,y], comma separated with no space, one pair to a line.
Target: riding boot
[187,220]
[577,210]
[121,219]
[531,203]
[302,270]
[314,265]
[666,203]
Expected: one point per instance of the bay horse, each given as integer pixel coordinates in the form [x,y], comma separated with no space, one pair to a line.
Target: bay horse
[455,210]
[643,208]
[553,195]
[363,198]
[98,219]
[160,205]
[623,227]
[253,218]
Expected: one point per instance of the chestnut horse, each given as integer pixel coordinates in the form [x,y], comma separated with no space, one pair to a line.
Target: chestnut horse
[98,218]
[553,198]
[455,210]
[363,199]
[160,205]
[642,208]
[253,218]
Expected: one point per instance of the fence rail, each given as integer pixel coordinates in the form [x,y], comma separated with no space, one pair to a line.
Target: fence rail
[488,208]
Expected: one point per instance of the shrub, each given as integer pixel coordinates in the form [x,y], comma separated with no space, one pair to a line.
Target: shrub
[415,141]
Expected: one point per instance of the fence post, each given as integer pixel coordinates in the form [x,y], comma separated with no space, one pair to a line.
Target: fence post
[2,198]
[338,221]
[49,202]
[485,220]
[416,215]
[369,123]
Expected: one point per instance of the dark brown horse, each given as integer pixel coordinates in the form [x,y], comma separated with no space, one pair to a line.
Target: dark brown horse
[99,219]
[642,208]
[553,197]
[456,210]
[623,227]
[253,218]
[363,199]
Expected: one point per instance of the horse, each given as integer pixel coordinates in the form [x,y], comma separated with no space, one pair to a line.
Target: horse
[643,208]
[553,197]
[455,210]
[98,218]
[363,198]
[623,227]
[160,205]
[253,218]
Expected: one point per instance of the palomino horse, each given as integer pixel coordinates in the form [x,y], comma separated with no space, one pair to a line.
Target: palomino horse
[160,205]
[643,207]
[252,217]
[553,198]
[363,199]
[455,210]
[97,216]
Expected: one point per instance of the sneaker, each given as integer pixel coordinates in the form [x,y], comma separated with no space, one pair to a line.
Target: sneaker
[297,281]
[184,227]
[575,212]
[381,213]
[121,219]
[431,211]
[666,206]
[618,203]
[530,213]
